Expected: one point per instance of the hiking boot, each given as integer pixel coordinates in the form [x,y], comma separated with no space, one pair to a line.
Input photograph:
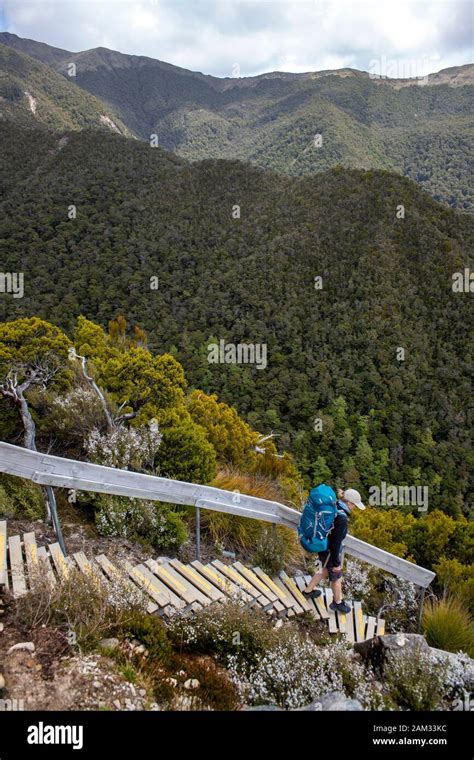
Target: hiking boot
[312,594]
[341,607]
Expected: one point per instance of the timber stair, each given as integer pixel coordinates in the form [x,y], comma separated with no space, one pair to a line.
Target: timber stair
[171,587]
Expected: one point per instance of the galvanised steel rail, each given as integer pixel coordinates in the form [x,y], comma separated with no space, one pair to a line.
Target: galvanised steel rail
[48,470]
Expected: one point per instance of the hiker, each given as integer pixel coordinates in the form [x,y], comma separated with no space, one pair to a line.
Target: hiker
[323,528]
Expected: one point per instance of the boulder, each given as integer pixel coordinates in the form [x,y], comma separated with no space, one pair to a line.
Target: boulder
[263,708]
[376,650]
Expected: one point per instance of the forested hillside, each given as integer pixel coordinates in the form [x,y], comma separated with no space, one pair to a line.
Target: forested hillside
[32,94]
[417,129]
[333,352]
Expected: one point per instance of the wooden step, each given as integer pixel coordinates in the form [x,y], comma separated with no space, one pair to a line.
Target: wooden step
[283,595]
[222,582]
[61,563]
[3,554]
[301,583]
[31,554]
[149,583]
[117,576]
[358,622]
[179,585]
[256,582]
[370,630]
[17,569]
[198,580]
[306,604]
[319,602]
[239,580]
[46,565]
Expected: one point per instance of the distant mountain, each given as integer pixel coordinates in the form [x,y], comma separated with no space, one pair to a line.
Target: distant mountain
[420,129]
[144,213]
[34,95]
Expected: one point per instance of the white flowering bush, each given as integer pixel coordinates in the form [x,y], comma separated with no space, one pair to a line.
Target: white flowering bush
[138,519]
[229,631]
[356,579]
[400,605]
[74,415]
[125,448]
[459,673]
[296,671]
[425,680]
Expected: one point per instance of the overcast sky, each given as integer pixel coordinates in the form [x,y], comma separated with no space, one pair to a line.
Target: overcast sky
[393,37]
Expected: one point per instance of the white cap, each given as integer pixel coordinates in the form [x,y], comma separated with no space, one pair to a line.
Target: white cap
[354,497]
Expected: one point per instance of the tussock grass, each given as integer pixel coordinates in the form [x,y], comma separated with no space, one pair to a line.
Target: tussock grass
[448,624]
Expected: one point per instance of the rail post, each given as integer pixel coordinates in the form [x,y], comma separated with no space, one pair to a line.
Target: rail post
[198,534]
[420,609]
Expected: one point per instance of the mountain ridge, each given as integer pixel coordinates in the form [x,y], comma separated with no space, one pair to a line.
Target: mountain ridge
[420,130]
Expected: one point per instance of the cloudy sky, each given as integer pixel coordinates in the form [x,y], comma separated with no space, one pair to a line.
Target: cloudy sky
[246,37]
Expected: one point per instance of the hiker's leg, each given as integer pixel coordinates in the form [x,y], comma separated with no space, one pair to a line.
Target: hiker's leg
[335,576]
[317,578]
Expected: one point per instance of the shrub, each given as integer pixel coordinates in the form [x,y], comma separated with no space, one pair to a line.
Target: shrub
[150,631]
[356,579]
[20,498]
[186,454]
[416,681]
[125,448]
[225,630]
[270,551]
[393,598]
[295,671]
[454,577]
[216,691]
[245,533]
[73,416]
[139,520]
[448,625]
[85,606]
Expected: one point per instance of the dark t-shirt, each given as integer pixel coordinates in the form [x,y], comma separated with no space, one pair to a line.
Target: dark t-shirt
[336,537]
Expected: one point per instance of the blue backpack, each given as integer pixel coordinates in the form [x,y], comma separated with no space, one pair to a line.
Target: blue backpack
[317,519]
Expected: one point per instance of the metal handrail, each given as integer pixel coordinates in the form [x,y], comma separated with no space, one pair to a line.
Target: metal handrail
[49,470]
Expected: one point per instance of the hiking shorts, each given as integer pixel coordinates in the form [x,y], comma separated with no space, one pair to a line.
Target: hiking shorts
[329,561]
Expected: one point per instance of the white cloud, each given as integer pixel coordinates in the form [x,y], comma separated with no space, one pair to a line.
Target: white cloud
[260,35]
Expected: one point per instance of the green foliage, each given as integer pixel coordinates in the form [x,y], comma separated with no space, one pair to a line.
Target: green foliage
[215,691]
[270,552]
[414,680]
[421,132]
[223,630]
[230,436]
[455,578]
[186,454]
[20,498]
[328,356]
[447,624]
[80,605]
[149,631]
[137,519]
[56,100]
[30,342]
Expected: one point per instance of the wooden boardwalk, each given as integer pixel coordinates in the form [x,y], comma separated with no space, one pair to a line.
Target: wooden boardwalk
[171,587]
